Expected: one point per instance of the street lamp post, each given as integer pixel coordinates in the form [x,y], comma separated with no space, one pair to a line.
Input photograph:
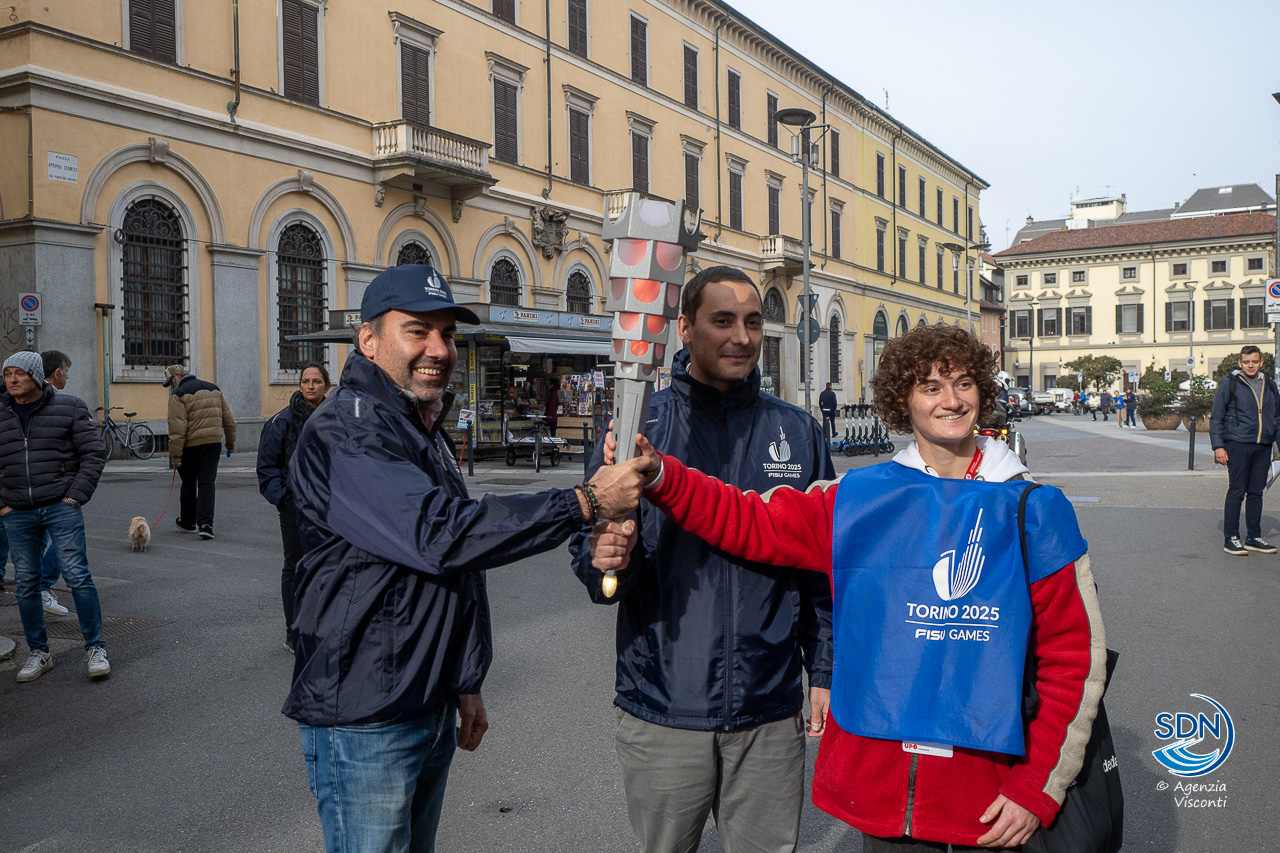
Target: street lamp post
[1031,347]
[804,119]
[956,249]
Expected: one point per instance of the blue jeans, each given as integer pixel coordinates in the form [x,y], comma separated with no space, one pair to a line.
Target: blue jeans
[380,786]
[50,568]
[26,530]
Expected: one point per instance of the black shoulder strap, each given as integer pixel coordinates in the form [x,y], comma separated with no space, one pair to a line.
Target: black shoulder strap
[1231,394]
[1022,526]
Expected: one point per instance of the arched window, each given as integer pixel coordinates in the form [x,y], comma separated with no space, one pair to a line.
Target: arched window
[902,327]
[879,334]
[504,283]
[835,345]
[578,293]
[153,284]
[414,252]
[300,299]
[774,310]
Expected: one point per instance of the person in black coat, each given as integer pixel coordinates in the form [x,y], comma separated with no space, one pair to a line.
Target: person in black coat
[51,458]
[829,405]
[275,449]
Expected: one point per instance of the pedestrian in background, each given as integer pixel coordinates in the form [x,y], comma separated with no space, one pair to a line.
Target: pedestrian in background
[51,458]
[275,449]
[57,367]
[199,420]
[1131,409]
[829,406]
[1121,409]
[1093,405]
[1242,428]
[1105,402]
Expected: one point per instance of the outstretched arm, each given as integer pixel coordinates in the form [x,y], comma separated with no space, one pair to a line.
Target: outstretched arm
[782,527]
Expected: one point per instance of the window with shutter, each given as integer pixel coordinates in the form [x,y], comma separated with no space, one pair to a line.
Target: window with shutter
[735,200]
[922,188]
[939,205]
[901,271]
[939,271]
[301,41]
[690,77]
[579,147]
[969,223]
[639,162]
[902,186]
[775,210]
[771,120]
[880,249]
[735,100]
[1219,315]
[505,9]
[639,51]
[835,234]
[153,29]
[922,264]
[692,169]
[415,89]
[1253,313]
[506,139]
[955,215]
[835,344]
[578,27]
[880,175]
[834,144]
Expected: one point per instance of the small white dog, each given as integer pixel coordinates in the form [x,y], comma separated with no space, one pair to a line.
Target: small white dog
[139,533]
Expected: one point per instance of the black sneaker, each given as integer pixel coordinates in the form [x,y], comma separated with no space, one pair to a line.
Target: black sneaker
[185,528]
[1233,545]
[206,532]
[1259,545]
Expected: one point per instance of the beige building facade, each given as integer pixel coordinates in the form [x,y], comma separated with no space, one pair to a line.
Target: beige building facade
[1177,295]
[168,210]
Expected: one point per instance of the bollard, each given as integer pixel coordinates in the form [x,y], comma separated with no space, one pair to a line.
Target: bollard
[588,448]
[471,451]
[1191,446]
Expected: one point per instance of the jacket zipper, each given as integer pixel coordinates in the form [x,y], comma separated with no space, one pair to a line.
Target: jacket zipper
[725,570]
[911,794]
[1260,400]
[26,461]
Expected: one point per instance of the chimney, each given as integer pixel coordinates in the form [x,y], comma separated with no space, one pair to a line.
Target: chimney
[1029,219]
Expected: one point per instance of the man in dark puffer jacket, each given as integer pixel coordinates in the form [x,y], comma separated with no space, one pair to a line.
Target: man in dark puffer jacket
[51,458]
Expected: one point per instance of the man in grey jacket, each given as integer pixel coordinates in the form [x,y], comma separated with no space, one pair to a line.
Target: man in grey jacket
[1242,428]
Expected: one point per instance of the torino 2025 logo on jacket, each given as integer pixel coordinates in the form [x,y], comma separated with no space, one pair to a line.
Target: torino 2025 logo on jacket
[953,579]
[780,453]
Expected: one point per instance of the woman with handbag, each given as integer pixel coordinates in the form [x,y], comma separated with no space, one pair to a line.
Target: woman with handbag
[936,612]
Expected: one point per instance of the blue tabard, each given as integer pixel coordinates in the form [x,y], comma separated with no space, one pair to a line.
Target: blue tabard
[932,610]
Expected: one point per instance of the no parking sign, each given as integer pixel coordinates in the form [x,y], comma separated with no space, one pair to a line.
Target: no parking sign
[1273,301]
[29,309]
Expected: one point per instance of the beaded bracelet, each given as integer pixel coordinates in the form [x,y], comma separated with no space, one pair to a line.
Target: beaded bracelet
[592,501]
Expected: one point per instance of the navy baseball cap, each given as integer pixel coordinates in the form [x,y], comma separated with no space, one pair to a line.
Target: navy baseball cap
[411,287]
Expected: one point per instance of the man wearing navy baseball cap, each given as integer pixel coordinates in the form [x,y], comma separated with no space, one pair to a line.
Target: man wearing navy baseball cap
[390,610]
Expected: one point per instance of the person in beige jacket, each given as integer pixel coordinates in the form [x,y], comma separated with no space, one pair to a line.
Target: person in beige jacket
[199,421]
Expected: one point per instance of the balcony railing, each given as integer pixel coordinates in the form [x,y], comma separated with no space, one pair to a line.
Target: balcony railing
[781,253]
[421,153]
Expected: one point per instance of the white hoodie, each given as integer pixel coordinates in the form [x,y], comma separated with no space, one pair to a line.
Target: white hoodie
[999,463]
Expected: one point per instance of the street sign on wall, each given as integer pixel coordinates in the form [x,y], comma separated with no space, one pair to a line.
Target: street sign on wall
[1273,300]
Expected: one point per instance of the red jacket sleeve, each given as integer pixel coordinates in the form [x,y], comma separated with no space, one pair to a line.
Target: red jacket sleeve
[1070,648]
[782,527]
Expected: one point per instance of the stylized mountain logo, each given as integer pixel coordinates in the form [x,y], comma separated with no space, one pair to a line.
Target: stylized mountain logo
[780,450]
[954,581]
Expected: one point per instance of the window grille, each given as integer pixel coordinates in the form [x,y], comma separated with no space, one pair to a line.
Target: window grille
[301,306]
[414,252]
[578,293]
[835,346]
[504,283]
[153,285]
[774,310]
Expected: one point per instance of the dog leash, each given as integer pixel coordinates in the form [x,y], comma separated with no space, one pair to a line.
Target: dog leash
[172,480]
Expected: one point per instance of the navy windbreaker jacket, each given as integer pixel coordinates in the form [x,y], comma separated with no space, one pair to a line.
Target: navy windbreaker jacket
[1246,419]
[706,641]
[391,610]
[273,468]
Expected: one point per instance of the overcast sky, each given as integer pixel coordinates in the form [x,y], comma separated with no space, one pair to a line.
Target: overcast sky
[1151,99]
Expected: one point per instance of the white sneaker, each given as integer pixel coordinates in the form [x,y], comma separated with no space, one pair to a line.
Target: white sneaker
[51,604]
[37,664]
[98,665]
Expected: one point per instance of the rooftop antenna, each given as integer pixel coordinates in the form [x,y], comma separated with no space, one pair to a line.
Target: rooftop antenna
[886,99]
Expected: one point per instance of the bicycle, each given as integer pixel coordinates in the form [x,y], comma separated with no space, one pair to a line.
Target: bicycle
[138,439]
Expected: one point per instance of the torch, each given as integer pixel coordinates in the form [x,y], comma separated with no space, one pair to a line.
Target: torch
[646,272]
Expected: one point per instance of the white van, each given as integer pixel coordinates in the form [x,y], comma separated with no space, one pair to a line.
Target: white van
[1062,398]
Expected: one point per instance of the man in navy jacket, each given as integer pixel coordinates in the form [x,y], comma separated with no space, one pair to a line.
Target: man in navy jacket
[711,649]
[1242,428]
[391,616]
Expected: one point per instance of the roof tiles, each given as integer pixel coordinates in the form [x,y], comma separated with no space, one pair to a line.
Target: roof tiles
[1144,233]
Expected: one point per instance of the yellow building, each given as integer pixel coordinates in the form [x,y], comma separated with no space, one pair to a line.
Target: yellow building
[199,182]
[1178,295]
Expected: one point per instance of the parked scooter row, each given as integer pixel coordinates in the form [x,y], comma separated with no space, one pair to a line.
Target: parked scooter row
[864,432]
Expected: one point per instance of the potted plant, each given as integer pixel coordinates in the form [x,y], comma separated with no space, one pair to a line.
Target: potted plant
[1198,404]
[1154,404]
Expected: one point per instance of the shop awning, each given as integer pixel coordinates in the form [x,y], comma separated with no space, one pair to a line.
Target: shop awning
[559,346]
